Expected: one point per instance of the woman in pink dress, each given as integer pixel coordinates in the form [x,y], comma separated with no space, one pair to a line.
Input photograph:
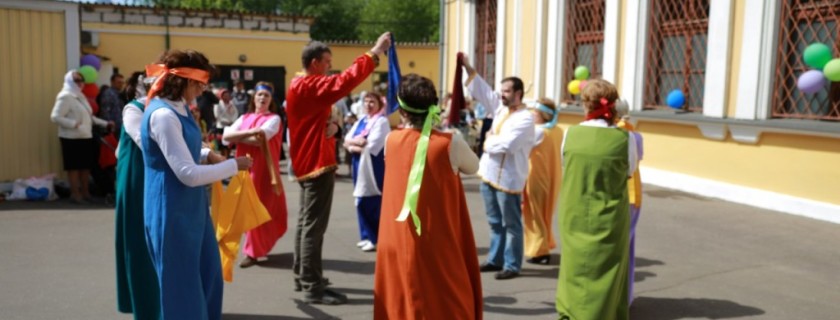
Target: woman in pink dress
[248,132]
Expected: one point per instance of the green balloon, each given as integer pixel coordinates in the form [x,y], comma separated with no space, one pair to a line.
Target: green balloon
[832,70]
[582,73]
[817,55]
[89,73]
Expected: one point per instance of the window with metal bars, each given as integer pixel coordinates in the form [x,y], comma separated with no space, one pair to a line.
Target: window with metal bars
[485,49]
[803,22]
[676,58]
[584,40]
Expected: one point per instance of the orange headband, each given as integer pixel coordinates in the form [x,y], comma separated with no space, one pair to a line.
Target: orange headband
[160,71]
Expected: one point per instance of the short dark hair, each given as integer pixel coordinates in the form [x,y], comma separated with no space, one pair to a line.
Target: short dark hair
[417,92]
[517,85]
[174,86]
[116,75]
[313,50]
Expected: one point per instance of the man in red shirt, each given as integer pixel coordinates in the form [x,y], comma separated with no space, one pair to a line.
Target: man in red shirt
[312,149]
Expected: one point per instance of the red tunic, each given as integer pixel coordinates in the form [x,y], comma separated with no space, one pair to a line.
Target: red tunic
[308,105]
[433,276]
[259,241]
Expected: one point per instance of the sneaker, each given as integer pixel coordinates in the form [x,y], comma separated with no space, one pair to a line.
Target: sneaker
[487,267]
[326,296]
[362,243]
[369,247]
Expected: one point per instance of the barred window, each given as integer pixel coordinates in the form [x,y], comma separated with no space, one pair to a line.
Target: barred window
[584,40]
[485,49]
[803,22]
[676,58]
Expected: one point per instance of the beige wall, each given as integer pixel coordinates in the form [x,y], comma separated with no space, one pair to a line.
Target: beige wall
[33,55]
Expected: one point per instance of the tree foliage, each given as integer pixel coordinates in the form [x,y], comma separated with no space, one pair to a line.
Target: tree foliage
[409,20]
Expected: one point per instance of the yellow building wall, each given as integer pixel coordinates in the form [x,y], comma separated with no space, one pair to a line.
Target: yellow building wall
[34,60]
[735,57]
[130,50]
[621,46]
[527,46]
[795,165]
[510,11]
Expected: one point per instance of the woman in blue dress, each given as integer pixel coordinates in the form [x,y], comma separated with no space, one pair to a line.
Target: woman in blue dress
[366,141]
[179,231]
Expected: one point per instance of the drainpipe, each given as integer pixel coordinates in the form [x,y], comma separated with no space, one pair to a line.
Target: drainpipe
[166,22]
[442,47]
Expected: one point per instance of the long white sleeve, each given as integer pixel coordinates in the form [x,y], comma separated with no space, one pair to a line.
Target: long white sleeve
[60,110]
[378,134]
[484,94]
[132,118]
[166,131]
[271,127]
[463,159]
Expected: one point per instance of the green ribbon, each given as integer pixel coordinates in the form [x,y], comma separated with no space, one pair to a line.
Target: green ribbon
[415,176]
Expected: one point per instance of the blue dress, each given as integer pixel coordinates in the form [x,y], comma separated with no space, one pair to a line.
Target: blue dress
[368,208]
[179,230]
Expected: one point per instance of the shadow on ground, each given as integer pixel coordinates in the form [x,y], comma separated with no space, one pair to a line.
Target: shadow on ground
[59,205]
[285,261]
[672,194]
[496,304]
[650,308]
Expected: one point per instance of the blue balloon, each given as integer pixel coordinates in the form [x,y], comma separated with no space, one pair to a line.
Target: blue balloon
[675,99]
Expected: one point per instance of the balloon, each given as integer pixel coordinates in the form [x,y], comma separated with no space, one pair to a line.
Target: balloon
[91,60]
[89,73]
[91,90]
[675,99]
[817,55]
[574,87]
[581,73]
[832,70]
[583,84]
[811,81]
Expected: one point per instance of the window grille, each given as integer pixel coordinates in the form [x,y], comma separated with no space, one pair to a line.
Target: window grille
[676,58]
[803,22]
[584,40]
[485,49]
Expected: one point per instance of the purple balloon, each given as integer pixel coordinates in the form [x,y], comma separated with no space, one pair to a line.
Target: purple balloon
[91,60]
[811,81]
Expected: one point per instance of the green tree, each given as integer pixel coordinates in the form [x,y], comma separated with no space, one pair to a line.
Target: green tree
[408,20]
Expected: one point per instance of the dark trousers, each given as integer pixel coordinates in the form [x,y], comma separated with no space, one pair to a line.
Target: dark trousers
[486,125]
[315,205]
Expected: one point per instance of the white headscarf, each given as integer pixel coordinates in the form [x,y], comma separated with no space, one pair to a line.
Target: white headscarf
[72,87]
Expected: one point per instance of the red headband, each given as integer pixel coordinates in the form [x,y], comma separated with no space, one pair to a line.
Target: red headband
[604,111]
[160,71]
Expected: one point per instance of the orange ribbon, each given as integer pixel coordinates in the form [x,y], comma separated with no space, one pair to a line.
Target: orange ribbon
[160,71]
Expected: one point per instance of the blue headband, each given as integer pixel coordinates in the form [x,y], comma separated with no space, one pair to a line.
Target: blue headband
[546,109]
[264,87]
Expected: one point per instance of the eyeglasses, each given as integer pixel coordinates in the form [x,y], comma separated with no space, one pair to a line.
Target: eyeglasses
[78,80]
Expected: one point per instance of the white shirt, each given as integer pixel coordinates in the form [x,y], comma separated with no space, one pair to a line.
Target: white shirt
[132,118]
[165,129]
[270,127]
[504,164]
[377,135]
[632,146]
[225,114]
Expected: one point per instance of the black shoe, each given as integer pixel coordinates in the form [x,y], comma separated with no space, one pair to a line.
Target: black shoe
[546,259]
[324,281]
[506,274]
[487,267]
[325,296]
